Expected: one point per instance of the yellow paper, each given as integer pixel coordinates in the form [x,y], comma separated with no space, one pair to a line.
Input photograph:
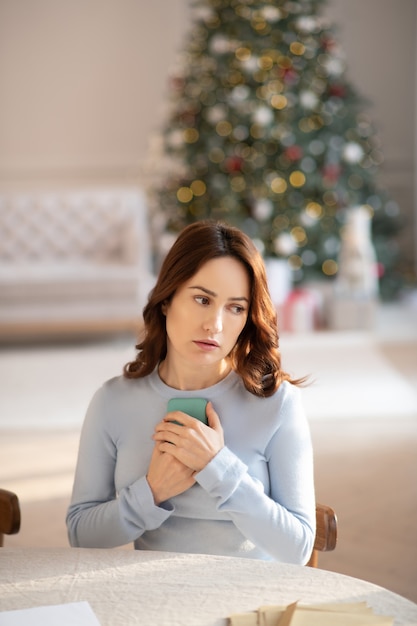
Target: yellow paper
[244,619]
[313,617]
[339,607]
[287,617]
[329,614]
[270,615]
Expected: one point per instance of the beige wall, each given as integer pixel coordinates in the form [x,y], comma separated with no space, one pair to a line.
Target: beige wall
[82,85]
[379,40]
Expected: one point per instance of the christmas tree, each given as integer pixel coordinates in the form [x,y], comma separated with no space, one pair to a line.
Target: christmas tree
[265,131]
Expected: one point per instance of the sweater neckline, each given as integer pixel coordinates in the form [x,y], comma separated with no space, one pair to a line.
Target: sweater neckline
[170,392]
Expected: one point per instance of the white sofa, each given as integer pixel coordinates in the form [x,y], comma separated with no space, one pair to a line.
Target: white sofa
[73,261]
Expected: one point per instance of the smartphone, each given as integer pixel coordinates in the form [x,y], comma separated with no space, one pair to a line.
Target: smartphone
[196,407]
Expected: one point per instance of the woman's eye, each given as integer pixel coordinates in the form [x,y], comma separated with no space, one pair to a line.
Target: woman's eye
[238,309]
[202,299]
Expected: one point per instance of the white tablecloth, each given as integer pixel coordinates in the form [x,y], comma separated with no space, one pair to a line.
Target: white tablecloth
[127,587]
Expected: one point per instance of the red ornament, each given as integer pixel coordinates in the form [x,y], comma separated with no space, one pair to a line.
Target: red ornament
[290,76]
[380,269]
[187,118]
[327,43]
[176,83]
[234,164]
[293,153]
[338,91]
[331,173]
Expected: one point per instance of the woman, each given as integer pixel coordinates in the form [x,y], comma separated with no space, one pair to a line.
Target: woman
[242,485]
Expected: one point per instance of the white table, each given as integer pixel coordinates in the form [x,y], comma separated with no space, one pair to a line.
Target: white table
[127,587]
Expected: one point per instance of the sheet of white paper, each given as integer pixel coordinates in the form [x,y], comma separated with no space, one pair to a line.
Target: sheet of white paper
[72,614]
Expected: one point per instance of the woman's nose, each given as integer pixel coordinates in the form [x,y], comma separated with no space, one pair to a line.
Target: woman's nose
[214,322]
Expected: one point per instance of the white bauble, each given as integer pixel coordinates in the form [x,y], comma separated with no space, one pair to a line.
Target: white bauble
[250,64]
[216,114]
[271,14]
[220,44]
[353,152]
[262,209]
[263,116]
[284,244]
[308,99]
[240,93]
[306,24]
[334,66]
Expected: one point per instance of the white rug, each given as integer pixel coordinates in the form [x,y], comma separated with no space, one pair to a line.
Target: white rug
[351,378]
[50,387]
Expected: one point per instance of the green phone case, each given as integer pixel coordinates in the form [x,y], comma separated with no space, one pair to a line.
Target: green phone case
[196,407]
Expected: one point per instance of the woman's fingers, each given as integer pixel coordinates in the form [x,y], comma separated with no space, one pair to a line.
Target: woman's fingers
[167,477]
[193,443]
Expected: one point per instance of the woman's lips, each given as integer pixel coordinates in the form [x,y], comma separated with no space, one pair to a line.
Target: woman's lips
[206,345]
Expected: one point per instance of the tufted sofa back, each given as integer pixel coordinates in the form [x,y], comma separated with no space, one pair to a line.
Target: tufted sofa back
[98,226]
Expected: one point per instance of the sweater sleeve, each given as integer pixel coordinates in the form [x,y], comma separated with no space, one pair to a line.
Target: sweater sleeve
[98,517]
[281,522]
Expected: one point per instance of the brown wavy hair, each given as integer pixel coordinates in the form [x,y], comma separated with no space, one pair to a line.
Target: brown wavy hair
[255,356]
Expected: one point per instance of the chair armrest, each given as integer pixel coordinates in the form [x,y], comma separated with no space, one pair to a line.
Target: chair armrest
[9,514]
[326,531]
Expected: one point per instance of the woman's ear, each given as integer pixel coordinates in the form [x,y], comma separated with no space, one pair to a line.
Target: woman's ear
[164,307]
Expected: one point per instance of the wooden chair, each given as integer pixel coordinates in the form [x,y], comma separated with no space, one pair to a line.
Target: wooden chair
[9,514]
[326,532]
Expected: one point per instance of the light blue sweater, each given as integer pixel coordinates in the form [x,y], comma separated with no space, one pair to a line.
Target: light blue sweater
[254,499]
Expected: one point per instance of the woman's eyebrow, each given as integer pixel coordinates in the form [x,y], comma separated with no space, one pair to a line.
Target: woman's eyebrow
[207,291]
[214,294]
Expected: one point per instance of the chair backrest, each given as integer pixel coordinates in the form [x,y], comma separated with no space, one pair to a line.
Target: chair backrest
[9,514]
[326,532]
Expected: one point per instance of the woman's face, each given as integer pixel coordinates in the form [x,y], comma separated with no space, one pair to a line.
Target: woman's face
[208,312]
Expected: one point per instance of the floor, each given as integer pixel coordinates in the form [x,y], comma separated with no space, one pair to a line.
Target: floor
[363,416]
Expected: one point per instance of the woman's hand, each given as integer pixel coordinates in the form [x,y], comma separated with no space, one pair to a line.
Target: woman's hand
[193,443]
[167,477]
